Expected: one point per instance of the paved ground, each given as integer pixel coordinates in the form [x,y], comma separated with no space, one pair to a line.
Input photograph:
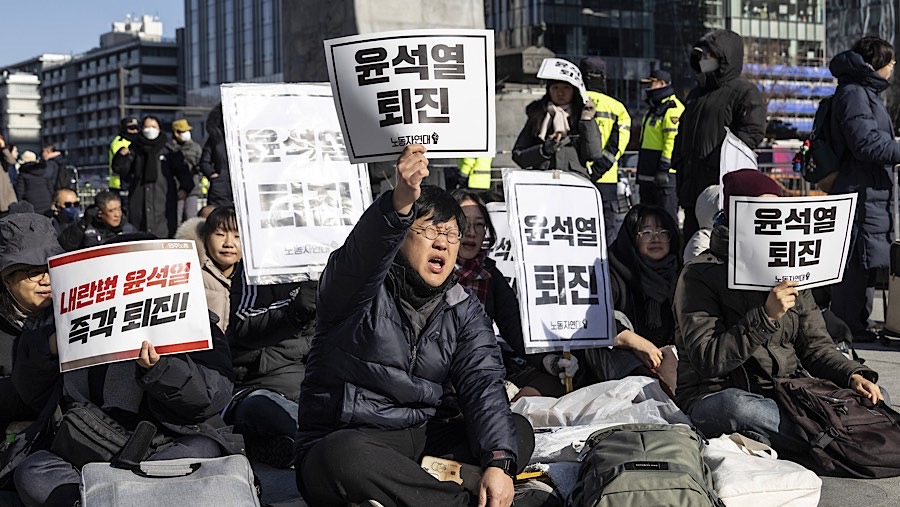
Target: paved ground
[279,487]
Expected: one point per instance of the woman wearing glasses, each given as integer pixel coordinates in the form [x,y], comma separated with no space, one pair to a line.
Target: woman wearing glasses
[26,241]
[644,262]
[478,273]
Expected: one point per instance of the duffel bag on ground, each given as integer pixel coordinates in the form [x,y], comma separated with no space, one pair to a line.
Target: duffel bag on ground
[198,482]
[637,465]
[848,435]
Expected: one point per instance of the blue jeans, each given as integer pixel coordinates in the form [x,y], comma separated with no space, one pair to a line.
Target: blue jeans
[265,413]
[753,415]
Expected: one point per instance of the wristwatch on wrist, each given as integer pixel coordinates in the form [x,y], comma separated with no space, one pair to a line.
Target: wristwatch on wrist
[506,464]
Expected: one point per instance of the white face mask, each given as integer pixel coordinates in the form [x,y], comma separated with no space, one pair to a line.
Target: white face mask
[151,133]
[185,136]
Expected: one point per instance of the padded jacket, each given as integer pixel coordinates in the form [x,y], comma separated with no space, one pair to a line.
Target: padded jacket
[368,370]
[183,393]
[863,138]
[726,100]
[582,145]
[725,339]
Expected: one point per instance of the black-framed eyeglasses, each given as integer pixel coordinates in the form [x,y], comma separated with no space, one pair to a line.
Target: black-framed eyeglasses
[649,235]
[69,204]
[35,274]
[431,232]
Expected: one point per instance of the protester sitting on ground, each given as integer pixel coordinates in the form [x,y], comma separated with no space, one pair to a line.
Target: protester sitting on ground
[98,225]
[65,210]
[269,330]
[731,343]
[394,331]
[26,242]
[560,132]
[643,268]
[478,273]
[181,394]
[219,249]
[706,208]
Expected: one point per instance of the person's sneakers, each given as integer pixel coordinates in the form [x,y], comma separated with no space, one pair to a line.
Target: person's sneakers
[536,494]
[273,451]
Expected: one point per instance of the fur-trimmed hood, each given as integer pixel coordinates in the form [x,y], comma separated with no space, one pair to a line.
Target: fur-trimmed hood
[190,229]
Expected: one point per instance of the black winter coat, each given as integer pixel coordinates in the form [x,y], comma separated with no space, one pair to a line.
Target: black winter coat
[367,369]
[153,194]
[214,160]
[182,393]
[725,100]
[863,138]
[583,143]
[270,332]
[35,186]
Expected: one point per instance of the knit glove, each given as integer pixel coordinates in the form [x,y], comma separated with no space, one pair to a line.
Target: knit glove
[556,365]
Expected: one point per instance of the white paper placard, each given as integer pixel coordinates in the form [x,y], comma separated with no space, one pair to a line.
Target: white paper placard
[734,155]
[108,299]
[557,69]
[562,265]
[431,87]
[296,194]
[502,252]
[774,239]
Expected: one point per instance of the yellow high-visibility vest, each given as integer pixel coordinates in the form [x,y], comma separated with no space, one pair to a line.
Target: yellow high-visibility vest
[658,132]
[118,142]
[478,170]
[611,114]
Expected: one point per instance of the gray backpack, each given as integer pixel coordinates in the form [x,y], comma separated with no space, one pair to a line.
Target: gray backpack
[636,465]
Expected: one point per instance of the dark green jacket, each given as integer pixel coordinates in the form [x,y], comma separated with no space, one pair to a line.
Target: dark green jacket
[725,340]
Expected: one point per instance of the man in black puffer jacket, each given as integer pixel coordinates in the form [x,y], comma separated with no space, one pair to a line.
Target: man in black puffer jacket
[394,329]
[721,99]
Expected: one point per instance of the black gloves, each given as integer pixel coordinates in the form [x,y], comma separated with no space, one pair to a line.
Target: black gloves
[661,178]
[303,306]
[550,147]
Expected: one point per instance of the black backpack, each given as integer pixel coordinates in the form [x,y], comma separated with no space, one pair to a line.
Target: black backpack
[819,159]
[848,436]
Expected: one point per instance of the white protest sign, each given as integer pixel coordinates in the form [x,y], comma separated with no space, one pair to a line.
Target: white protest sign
[562,265]
[557,69]
[734,155]
[501,252]
[296,194]
[431,87]
[108,299]
[805,239]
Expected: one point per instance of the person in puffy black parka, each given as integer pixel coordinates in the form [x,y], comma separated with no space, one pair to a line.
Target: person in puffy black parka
[721,99]
[394,328]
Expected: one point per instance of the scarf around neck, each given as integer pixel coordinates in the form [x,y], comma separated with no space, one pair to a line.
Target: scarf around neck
[411,287]
[474,276]
[658,285]
[556,119]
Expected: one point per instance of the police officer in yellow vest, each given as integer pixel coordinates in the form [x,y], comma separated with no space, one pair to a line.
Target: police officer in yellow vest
[615,129]
[656,178]
[127,127]
[477,172]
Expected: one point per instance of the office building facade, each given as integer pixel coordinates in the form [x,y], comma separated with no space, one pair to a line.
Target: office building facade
[82,99]
[230,41]
[784,52]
